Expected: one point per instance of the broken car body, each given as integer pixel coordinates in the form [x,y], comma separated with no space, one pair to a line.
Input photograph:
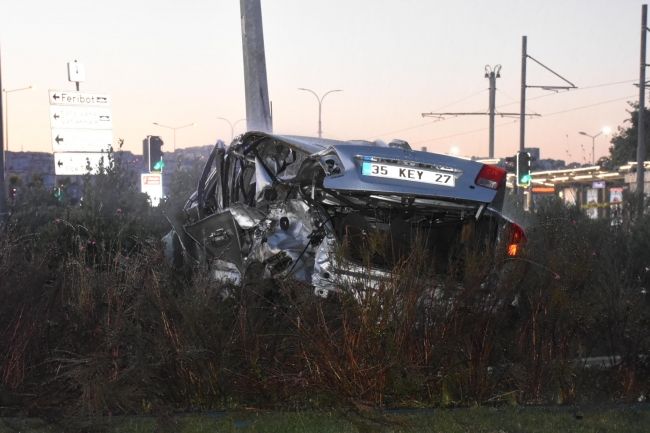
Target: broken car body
[292,203]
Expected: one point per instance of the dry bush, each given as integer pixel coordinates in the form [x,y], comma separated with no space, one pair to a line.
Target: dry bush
[94,320]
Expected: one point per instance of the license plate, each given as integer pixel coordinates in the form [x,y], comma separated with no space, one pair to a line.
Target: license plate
[406,173]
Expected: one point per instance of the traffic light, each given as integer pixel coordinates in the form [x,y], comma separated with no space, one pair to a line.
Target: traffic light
[153,154]
[58,193]
[524,160]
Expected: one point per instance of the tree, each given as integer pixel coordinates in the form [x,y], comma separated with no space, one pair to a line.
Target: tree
[624,142]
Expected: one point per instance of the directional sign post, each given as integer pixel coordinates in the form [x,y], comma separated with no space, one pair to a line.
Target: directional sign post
[81,117]
[74,164]
[82,140]
[82,126]
[63,97]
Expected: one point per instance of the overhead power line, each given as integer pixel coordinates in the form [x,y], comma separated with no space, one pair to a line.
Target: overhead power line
[588,106]
[492,73]
[500,106]
[574,90]
[428,123]
[460,100]
[515,121]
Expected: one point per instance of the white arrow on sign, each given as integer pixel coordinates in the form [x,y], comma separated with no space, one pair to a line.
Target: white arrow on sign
[74,164]
[82,140]
[63,97]
[80,117]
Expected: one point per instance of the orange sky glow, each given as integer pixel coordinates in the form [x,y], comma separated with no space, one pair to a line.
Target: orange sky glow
[176,63]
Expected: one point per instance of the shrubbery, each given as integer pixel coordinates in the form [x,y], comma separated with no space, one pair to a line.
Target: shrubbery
[94,320]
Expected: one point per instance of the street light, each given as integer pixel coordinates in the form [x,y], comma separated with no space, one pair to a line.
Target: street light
[178,127]
[232,126]
[7,92]
[606,130]
[320,102]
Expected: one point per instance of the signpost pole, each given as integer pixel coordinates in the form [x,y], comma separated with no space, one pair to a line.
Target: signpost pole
[640,150]
[3,188]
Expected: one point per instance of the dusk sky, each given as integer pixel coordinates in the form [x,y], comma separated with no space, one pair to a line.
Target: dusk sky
[178,62]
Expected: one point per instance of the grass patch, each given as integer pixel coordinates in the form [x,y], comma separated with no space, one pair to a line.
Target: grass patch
[477,419]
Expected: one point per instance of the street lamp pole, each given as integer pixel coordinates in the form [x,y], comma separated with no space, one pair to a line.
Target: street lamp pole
[605,130]
[320,102]
[232,126]
[174,129]
[7,112]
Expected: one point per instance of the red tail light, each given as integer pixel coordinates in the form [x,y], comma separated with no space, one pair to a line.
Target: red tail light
[517,236]
[490,177]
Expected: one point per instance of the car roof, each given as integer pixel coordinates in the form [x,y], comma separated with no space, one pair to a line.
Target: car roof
[309,144]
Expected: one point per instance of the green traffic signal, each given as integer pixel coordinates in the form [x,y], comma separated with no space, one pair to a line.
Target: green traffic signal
[523,161]
[153,154]
[59,194]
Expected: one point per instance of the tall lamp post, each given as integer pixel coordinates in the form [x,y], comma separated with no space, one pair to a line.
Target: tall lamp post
[232,126]
[7,92]
[320,102]
[178,127]
[605,131]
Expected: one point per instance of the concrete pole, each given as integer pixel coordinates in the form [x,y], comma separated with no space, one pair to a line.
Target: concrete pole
[593,149]
[258,116]
[493,88]
[320,125]
[6,120]
[640,149]
[3,187]
[522,109]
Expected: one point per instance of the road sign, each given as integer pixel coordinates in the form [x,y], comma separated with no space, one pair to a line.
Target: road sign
[74,164]
[63,97]
[82,140]
[152,185]
[80,117]
[76,72]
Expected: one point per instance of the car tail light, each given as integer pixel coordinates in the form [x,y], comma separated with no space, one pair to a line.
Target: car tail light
[517,237]
[490,177]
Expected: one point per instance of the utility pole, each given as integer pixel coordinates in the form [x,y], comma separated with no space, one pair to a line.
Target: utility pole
[524,86]
[522,100]
[3,186]
[491,73]
[640,149]
[258,116]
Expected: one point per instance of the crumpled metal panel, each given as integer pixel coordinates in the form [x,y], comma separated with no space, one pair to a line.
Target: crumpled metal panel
[262,179]
[299,198]
[284,235]
[247,217]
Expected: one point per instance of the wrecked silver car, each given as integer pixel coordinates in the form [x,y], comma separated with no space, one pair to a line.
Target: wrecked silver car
[290,204]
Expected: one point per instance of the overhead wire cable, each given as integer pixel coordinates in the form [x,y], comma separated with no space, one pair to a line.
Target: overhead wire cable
[517,120]
[587,106]
[572,91]
[504,105]
[516,102]
[428,123]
